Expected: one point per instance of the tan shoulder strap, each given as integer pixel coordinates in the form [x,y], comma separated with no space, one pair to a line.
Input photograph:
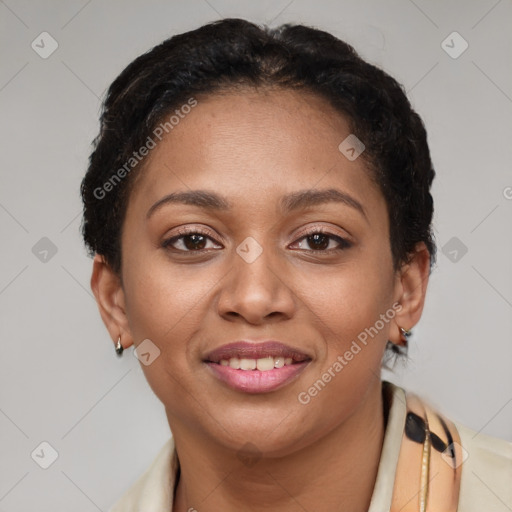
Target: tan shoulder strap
[430,462]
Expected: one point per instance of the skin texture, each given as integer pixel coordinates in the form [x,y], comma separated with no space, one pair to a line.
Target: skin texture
[253,147]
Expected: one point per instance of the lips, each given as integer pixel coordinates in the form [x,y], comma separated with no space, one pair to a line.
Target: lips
[256,367]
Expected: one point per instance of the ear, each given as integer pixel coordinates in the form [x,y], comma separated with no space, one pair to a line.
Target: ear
[107,288]
[410,290]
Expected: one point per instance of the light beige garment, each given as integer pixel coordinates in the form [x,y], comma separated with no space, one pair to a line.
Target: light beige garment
[485,474]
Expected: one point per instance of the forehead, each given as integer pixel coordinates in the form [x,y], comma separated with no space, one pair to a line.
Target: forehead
[263,143]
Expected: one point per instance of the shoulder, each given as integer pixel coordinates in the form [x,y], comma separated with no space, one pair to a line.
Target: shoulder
[152,492]
[484,463]
[486,482]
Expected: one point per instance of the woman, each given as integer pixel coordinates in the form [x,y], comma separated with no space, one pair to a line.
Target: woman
[258,203]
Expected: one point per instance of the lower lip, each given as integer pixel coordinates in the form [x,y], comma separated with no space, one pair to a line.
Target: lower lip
[256,381]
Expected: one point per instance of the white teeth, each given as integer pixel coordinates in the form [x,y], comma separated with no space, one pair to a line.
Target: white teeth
[234,363]
[247,364]
[278,362]
[264,364]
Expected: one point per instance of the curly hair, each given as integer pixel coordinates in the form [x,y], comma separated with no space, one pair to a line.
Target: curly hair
[233,53]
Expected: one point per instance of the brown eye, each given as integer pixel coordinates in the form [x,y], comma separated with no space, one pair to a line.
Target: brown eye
[318,241]
[321,241]
[194,242]
[188,241]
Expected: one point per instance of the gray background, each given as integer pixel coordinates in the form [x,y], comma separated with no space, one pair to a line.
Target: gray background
[60,380]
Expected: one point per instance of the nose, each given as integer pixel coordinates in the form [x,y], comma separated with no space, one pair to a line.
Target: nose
[256,292]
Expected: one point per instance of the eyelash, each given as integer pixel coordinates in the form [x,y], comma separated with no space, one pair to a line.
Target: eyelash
[344,243]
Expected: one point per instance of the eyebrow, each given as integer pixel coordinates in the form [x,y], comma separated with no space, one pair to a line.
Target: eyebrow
[199,198]
[299,200]
[307,198]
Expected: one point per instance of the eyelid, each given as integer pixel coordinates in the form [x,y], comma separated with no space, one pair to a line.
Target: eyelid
[310,230]
[346,238]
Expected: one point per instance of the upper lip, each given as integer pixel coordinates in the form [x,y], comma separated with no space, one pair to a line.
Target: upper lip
[255,350]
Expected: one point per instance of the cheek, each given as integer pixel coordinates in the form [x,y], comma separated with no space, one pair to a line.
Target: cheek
[352,308]
[348,300]
[346,307]
[161,299]
[160,307]
[170,305]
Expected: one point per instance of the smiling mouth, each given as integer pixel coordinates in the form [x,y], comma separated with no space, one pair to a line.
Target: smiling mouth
[256,367]
[265,356]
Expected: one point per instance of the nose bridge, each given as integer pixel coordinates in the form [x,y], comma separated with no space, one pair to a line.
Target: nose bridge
[255,289]
[253,266]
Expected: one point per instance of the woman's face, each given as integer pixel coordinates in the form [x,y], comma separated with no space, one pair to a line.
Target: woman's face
[249,267]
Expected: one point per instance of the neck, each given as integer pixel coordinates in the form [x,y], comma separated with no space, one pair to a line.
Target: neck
[336,472]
